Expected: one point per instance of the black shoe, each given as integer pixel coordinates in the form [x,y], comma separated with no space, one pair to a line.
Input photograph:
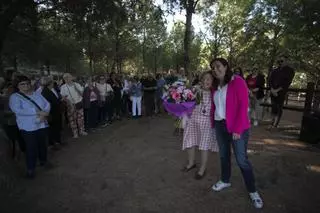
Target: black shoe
[198,176]
[186,169]
[46,165]
[30,175]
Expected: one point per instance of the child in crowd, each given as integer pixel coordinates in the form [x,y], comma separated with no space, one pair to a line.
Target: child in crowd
[198,131]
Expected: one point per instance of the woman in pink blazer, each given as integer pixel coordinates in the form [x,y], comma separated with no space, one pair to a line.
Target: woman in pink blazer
[230,119]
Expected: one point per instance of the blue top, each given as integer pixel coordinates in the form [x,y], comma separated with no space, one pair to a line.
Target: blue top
[26,111]
[136,90]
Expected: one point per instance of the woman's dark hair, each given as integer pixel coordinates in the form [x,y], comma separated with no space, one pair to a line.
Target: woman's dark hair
[228,75]
[21,78]
[158,76]
[239,70]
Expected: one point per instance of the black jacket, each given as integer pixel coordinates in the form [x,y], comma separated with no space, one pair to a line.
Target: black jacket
[55,103]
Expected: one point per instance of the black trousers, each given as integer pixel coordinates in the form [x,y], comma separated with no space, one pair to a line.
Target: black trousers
[91,115]
[36,147]
[109,109]
[149,102]
[116,103]
[102,113]
[277,103]
[55,128]
[126,104]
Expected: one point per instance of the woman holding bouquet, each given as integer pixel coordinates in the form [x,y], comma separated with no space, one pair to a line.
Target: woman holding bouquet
[198,132]
[231,123]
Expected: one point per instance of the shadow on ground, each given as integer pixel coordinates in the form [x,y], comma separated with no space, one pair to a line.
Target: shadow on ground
[134,166]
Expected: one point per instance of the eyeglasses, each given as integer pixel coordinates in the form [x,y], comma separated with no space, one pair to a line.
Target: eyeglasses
[24,84]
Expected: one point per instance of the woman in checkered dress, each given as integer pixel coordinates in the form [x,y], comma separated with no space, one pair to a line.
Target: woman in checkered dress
[198,132]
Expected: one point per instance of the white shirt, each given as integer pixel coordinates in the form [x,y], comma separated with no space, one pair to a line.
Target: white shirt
[109,88]
[220,99]
[71,93]
[102,90]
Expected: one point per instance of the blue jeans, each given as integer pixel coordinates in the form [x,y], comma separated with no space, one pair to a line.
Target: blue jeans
[225,141]
[36,147]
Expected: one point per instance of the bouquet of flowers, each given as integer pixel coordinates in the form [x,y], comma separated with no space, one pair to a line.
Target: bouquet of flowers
[179,100]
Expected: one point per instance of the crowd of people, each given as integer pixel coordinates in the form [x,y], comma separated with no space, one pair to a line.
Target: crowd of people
[34,113]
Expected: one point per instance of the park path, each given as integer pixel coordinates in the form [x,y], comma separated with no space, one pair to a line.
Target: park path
[134,166]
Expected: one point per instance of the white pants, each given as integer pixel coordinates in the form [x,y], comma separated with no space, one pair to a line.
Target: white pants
[136,104]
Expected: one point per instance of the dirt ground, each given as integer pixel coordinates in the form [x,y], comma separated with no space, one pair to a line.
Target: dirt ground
[134,167]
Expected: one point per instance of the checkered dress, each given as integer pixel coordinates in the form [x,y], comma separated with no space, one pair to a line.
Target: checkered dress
[198,131]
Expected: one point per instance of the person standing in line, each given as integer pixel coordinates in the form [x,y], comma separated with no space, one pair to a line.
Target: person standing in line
[102,88]
[126,103]
[136,96]
[55,121]
[160,87]
[72,93]
[31,110]
[91,100]
[280,81]
[198,131]
[255,82]
[109,102]
[230,119]
[116,87]
[149,89]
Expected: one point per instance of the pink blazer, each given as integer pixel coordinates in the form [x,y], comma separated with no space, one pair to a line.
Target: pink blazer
[237,105]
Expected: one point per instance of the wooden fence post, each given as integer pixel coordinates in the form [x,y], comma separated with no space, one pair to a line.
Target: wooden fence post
[309,98]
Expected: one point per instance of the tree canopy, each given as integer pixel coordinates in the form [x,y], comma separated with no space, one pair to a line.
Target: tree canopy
[94,36]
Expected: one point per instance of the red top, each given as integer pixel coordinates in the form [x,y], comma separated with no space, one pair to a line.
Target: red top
[252,82]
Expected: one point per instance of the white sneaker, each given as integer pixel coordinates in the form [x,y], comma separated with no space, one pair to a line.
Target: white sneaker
[220,186]
[256,199]
[84,133]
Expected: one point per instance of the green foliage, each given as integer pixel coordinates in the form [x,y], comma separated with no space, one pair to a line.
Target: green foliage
[130,36]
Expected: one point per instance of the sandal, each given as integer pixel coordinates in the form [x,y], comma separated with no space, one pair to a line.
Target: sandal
[198,176]
[186,169]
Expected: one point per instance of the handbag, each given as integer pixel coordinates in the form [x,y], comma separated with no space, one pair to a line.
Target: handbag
[33,102]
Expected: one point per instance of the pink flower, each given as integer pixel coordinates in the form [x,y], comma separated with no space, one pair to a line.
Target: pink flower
[190,96]
[176,96]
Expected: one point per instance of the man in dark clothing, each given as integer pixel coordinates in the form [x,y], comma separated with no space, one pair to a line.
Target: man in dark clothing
[149,88]
[280,81]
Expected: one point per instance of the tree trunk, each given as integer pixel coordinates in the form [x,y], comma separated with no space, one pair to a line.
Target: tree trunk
[117,56]
[15,63]
[10,12]
[144,51]
[68,65]
[187,38]
[155,61]
[48,67]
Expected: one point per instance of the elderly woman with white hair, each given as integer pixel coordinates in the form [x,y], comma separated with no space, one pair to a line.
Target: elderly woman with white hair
[72,93]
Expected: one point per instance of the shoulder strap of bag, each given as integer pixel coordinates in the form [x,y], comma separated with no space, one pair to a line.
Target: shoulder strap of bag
[70,93]
[30,100]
